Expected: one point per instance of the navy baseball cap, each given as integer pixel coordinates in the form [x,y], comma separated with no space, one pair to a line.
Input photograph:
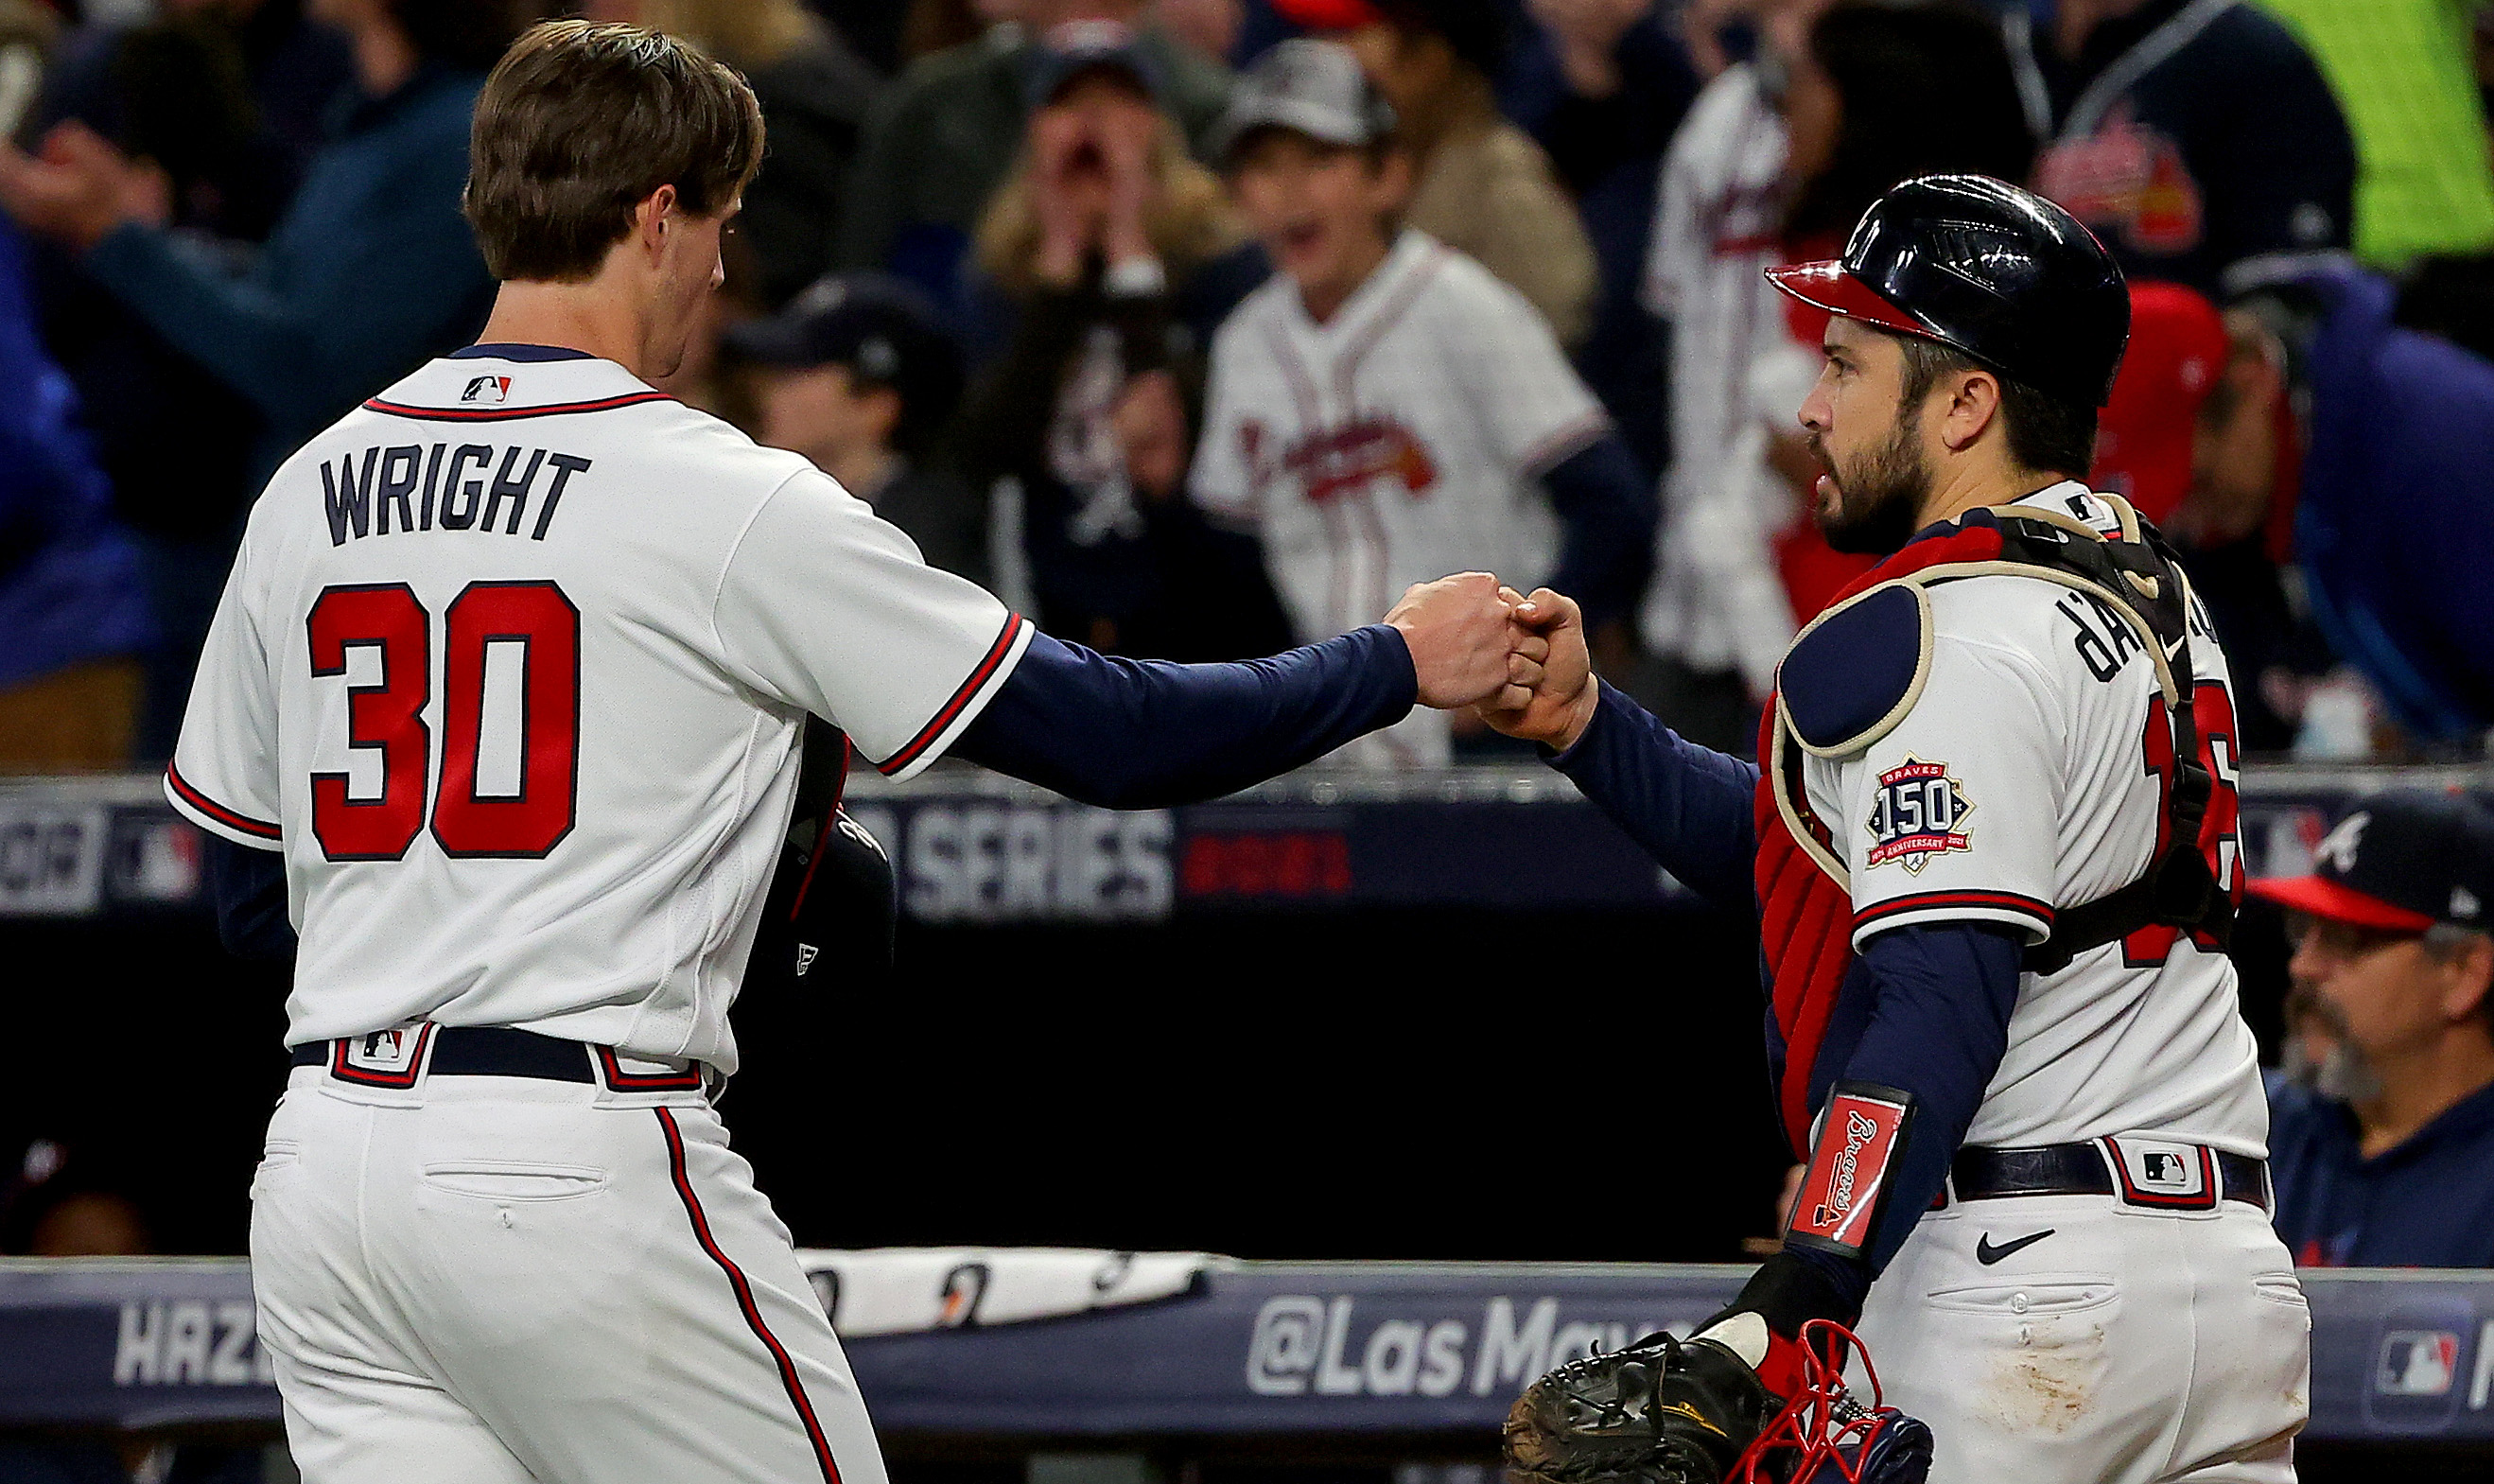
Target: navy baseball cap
[1310,87]
[2403,861]
[1076,46]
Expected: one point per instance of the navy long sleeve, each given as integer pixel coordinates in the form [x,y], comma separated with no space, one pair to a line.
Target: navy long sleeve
[1940,996]
[1689,806]
[1608,508]
[1135,733]
[247,887]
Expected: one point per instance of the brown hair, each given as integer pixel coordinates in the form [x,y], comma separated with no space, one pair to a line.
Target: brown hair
[1188,217]
[580,123]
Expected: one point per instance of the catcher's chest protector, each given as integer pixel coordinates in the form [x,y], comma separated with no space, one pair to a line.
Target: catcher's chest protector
[1805,892]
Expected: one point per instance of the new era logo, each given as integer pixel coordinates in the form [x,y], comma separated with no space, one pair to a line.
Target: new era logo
[486,389]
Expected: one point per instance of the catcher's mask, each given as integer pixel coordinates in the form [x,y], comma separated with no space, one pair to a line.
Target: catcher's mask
[1823,1436]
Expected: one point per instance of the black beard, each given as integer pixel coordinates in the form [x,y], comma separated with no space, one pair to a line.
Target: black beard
[1876,502]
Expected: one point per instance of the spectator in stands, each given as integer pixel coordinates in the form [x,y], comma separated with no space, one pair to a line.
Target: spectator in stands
[371,271]
[1383,404]
[941,140]
[229,98]
[856,375]
[2381,1126]
[72,603]
[1778,157]
[1601,85]
[1099,236]
[1480,185]
[814,91]
[2374,443]
[2197,138]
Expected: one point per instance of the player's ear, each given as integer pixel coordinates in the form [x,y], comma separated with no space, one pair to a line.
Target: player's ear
[650,218]
[1974,405]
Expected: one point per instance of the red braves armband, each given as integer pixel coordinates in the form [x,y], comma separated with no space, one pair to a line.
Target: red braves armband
[1860,1136]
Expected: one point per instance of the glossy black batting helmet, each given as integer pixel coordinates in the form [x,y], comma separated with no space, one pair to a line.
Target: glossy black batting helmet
[1978,265]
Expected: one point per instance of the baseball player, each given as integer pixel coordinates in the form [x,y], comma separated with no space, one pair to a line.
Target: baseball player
[1383,406]
[1994,849]
[508,682]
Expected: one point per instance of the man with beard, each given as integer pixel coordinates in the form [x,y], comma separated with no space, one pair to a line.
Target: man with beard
[1992,852]
[2381,1126]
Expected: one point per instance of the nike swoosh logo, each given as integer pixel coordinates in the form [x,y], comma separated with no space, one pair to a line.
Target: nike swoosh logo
[1987,1253]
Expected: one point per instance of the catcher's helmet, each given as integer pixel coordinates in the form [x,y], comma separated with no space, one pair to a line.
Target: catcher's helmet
[1997,272]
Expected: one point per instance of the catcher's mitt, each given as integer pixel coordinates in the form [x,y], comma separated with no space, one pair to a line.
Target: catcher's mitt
[1666,1412]
[1662,1411]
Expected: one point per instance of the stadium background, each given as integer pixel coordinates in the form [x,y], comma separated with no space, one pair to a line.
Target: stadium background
[1326,1022]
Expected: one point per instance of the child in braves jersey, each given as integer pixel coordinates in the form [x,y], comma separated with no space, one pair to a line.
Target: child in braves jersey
[1383,404]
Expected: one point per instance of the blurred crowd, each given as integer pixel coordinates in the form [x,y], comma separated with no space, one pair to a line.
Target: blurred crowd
[1001,272]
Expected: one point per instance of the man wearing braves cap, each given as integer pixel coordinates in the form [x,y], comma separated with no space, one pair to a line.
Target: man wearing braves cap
[1993,850]
[2382,1125]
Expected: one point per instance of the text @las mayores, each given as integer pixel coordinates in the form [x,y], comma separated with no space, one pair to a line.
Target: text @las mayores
[1308,1346]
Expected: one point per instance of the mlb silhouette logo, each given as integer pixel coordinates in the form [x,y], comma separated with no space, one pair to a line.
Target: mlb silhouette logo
[486,389]
[390,1051]
[2166,1176]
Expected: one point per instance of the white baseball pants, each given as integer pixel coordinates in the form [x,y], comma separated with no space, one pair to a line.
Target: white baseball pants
[494,1280]
[2130,1347]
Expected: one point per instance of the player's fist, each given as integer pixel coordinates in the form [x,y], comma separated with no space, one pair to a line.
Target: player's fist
[1464,641]
[1555,706]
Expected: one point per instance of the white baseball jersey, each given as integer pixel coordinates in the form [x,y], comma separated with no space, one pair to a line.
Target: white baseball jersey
[2025,781]
[1718,599]
[512,666]
[1396,442]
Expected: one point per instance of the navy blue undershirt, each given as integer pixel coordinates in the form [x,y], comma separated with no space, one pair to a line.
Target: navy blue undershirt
[1925,1008]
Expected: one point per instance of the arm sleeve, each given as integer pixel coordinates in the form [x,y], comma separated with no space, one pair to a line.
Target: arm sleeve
[248,890]
[301,357]
[1689,806]
[1941,997]
[224,774]
[1145,734]
[827,607]
[1608,508]
[1953,816]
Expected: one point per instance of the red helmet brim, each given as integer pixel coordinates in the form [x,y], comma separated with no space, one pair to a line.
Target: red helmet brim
[1826,285]
[2321,898]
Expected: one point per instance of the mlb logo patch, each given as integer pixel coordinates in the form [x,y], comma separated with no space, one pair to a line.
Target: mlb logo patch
[389,1058]
[486,390]
[2168,1176]
[2416,1363]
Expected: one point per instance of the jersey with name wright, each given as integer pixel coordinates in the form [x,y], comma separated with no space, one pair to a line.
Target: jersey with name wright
[2028,778]
[513,665]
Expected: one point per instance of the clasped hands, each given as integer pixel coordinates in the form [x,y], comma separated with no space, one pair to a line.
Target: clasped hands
[1520,662]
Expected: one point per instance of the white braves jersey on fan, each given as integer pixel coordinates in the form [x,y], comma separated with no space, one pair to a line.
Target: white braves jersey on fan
[1396,442]
[2019,785]
[1718,599]
[513,665]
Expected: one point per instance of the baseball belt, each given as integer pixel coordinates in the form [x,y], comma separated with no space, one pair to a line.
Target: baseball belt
[488,1050]
[2090,1168]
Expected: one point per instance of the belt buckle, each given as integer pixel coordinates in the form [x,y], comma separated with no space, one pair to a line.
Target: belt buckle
[2161,1174]
[384,1058]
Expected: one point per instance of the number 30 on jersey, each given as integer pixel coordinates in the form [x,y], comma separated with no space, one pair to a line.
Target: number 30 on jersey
[485,809]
